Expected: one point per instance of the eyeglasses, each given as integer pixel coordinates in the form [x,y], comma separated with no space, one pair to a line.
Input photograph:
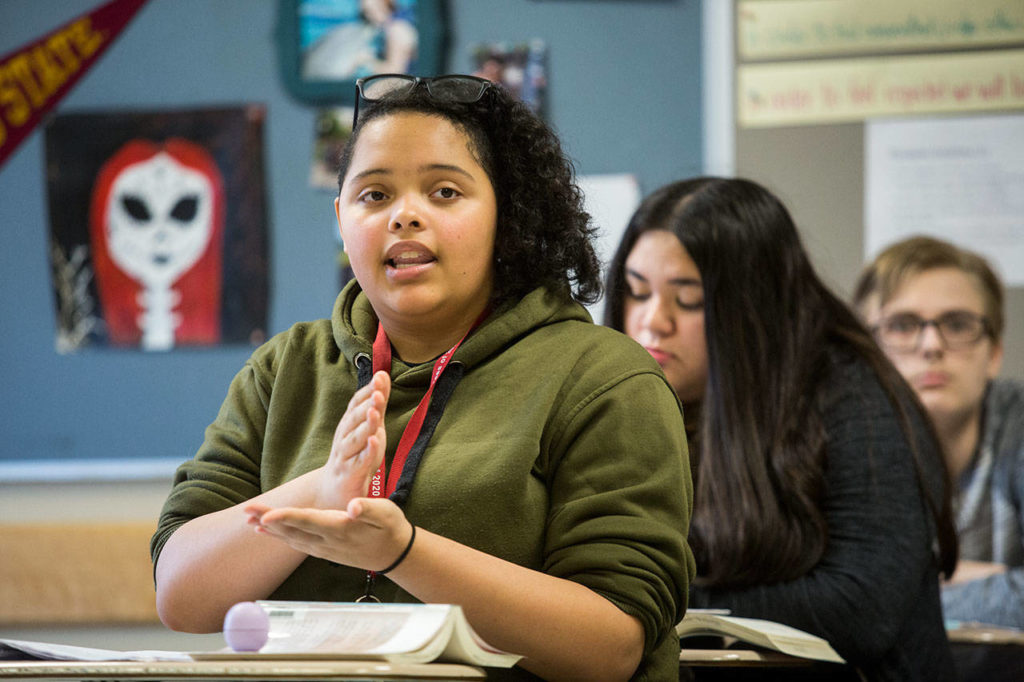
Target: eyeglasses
[450,88]
[958,329]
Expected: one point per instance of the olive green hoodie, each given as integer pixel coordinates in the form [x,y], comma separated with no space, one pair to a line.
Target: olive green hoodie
[561,449]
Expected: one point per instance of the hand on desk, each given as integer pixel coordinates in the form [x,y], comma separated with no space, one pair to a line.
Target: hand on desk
[967,570]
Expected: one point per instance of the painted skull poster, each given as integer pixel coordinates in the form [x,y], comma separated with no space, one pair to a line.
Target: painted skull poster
[158,228]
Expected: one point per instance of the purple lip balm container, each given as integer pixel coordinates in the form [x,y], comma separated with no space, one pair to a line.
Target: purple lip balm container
[246,627]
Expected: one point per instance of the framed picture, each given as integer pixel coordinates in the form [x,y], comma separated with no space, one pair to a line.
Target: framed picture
[324,46]
[158,228]
[520,67]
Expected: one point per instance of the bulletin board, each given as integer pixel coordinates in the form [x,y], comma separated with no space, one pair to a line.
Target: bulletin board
[814,77]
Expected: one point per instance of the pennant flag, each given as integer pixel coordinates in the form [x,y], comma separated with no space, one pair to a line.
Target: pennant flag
[37,76]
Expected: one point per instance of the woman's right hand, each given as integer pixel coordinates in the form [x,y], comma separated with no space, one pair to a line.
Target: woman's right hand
[968,570]
[215,560]
[358,446]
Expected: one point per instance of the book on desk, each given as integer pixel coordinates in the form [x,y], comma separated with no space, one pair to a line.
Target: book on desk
[274,671]
[400,633]
[763,633]
[302,637]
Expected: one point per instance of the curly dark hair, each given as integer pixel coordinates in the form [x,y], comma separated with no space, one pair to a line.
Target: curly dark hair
[543,233]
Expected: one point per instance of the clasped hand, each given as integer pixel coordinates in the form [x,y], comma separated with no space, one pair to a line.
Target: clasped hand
[344,526]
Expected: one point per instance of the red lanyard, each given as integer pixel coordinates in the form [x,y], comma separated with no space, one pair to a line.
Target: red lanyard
[382,484]
[382,362]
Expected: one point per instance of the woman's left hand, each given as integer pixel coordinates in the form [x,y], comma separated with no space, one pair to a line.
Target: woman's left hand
[369,534]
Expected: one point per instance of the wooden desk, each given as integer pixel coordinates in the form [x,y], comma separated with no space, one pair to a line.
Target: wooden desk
[977,633]
[763,666]
[198,671]
[980,654]
[984,653]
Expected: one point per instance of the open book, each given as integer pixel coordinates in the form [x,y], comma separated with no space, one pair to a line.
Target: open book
[398,633]
[763,633]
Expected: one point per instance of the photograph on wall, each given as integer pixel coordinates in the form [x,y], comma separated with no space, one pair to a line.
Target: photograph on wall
[326,45]
[520,67]
[158,228]
[342,40]
[333,127]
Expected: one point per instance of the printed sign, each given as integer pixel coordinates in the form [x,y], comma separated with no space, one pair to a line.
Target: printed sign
[772,29]
[834,91]
[958,179]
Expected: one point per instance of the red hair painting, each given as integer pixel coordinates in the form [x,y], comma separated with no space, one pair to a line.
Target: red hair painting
[157,230]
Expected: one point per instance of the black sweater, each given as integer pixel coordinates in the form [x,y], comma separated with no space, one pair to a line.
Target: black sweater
[874,595]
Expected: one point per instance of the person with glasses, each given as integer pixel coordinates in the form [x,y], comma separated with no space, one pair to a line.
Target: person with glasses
[937,311]
[459,430]
[820,499]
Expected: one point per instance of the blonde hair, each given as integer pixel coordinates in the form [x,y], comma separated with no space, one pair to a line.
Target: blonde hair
[908,258]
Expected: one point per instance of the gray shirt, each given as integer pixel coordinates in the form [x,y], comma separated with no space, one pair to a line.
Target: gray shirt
[990,514]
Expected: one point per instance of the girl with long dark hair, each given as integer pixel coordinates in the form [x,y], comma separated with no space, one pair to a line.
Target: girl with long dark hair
[820,497]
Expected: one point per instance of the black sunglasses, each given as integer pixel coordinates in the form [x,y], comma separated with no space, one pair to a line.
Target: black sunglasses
[450,88]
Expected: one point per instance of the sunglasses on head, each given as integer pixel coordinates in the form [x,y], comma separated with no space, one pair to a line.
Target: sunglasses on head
[450,88]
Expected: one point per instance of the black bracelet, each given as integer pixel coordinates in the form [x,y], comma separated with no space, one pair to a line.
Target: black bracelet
[401,557]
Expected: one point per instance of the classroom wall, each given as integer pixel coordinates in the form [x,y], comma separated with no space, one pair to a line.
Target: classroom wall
[624,95]
[635,108]
[818,170]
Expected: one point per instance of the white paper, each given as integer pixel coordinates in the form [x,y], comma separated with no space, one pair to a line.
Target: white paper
[66,652]
[957,179]
[610,200]
[373,629]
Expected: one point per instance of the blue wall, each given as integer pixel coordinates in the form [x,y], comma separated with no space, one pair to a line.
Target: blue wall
[624,95]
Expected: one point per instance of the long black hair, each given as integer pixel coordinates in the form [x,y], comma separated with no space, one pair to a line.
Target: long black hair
[770,326]
[543,233]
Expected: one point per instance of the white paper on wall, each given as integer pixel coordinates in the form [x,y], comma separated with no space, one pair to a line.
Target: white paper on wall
[610,199]
[958,179]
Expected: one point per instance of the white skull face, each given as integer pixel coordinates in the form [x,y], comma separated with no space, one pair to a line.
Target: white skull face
[159,219]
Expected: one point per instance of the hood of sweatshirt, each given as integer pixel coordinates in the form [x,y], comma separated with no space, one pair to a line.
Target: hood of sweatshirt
[354,325]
